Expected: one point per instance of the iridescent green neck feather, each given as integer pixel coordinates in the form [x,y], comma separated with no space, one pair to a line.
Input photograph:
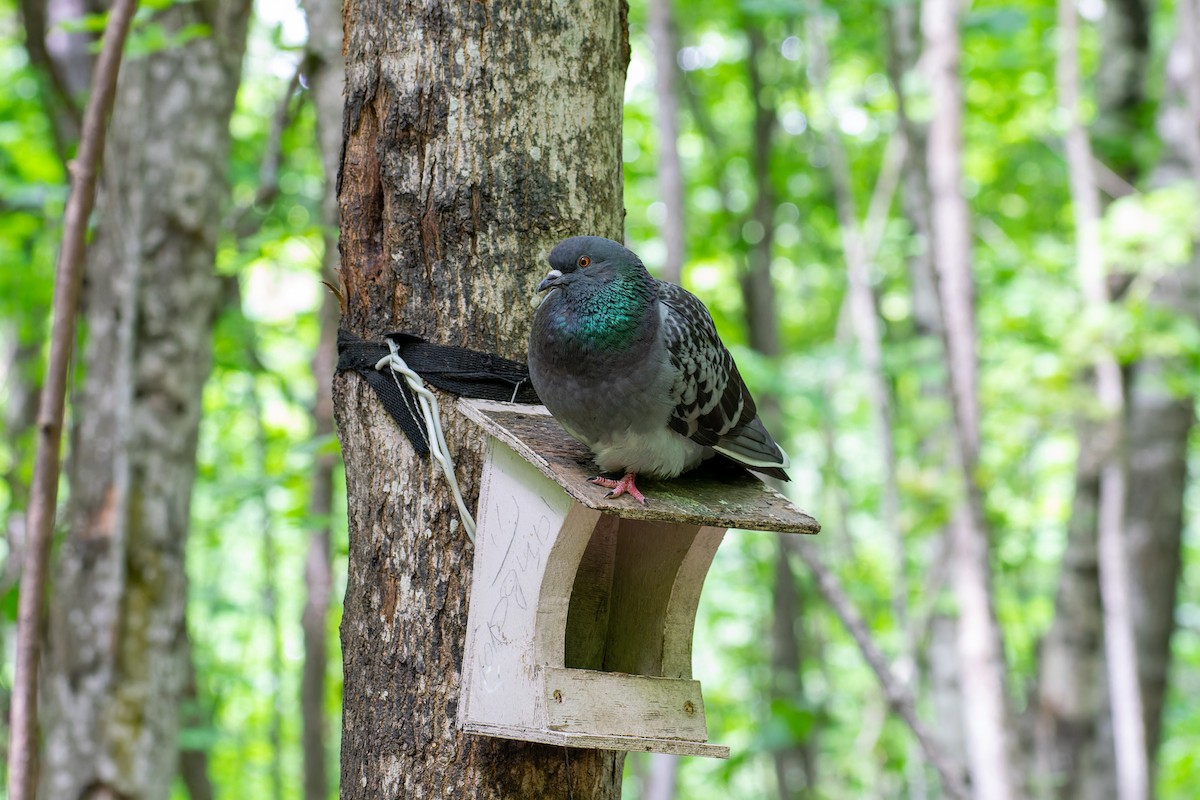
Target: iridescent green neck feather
[605,316]
[610,318]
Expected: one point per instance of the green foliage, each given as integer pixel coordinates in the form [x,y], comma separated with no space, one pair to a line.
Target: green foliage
[1036,340]
[147,35]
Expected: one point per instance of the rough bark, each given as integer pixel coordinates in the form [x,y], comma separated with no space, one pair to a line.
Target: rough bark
[987,727]
[476,136]
[18,418]
[325,79]
[116,656]
[661,29]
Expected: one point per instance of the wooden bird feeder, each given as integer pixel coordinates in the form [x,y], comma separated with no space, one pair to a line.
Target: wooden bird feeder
[579,631]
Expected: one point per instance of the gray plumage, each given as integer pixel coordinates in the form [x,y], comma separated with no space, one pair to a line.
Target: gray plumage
[633,368]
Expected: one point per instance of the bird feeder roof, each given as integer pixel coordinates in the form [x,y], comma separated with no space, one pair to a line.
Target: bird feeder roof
[716,494]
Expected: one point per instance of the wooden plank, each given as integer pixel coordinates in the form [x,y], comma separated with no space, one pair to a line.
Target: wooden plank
[608,703]
[648,557]
[591,599]
[680,619]
[718,494]
[520,516]
[678,747]
[554,600]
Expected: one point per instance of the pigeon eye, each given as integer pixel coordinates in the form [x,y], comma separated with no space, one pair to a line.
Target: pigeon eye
[584,261]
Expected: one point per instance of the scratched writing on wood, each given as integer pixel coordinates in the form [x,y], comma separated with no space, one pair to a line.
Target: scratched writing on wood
[523,536]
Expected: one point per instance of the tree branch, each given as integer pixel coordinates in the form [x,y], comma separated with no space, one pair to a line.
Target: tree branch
[239,219]
[898,697]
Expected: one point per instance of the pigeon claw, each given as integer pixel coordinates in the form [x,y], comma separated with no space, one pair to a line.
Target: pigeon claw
[619,487]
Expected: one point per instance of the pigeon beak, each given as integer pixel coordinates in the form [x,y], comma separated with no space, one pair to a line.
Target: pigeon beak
[550,281]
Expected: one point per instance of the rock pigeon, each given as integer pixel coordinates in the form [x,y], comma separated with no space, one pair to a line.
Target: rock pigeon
[632,367]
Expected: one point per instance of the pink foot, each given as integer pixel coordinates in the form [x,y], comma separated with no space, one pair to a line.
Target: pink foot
[623,486]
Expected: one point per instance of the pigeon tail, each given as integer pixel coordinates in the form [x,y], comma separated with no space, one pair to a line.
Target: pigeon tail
[770,472]
[752,446]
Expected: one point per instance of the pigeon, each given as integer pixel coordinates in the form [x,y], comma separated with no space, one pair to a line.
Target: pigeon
[633,367]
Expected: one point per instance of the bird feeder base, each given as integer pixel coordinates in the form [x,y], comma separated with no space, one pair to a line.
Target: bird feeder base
[579,630]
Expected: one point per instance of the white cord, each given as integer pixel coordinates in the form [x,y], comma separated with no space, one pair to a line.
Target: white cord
[433,427]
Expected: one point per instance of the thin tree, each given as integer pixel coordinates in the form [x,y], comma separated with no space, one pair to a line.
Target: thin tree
[988,724]
[1074,743]
[43,492]
[324,71]
[665,41]
[795,763]
[117,660]
[662,769]
[1124,691]
[476,136]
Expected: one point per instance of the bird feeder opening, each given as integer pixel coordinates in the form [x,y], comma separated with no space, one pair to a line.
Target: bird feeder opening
[582,608]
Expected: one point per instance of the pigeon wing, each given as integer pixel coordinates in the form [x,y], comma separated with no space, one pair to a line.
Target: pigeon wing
[713,407]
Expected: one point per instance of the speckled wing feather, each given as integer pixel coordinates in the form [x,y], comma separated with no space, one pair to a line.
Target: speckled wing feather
[713,406]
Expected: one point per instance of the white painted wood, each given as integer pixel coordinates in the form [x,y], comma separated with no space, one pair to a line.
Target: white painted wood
[549,644]
[680,622]
[478,411]
[629,743]
[520,516]
[587,701]
[648,558]
[532,539]
[579,629]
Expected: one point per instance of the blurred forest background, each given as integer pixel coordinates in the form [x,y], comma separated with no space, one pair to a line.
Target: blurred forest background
[970,436]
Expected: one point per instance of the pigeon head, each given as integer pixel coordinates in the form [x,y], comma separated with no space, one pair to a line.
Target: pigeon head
[588,260]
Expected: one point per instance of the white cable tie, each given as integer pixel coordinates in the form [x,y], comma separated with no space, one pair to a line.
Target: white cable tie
[436,439]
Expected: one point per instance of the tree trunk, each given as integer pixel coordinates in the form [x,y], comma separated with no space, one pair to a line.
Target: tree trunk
[116,658]
[193,761]
[902,25]
[1119,646]
[662,777]
[794,761]
[981,651]
[63,61]
[1073,699]
[476,137]
[660,25]
[1073,750]
[1160,420]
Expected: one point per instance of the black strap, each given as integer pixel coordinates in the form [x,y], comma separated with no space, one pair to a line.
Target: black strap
[463,372]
